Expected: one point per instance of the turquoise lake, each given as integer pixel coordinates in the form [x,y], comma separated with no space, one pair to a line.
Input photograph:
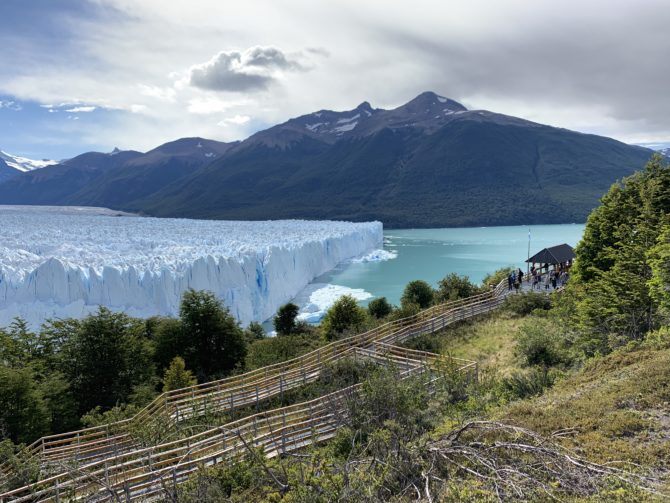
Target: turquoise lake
[431,254]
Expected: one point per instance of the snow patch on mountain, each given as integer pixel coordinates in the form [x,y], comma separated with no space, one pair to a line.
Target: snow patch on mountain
[65,262]
[345,127]
[24,164]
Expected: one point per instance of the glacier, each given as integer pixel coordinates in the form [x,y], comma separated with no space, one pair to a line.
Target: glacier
[58,262]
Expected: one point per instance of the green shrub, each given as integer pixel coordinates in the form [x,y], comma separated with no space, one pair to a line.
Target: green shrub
[496,277]
[539,343]
[417,292]
[658,339]
[454,287]
[530,383]
[345,315]
[524,304]
[379,308]
[284,320]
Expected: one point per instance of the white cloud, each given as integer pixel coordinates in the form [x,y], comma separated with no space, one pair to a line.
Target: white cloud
[77,110]
[166,94]
[211,105]
[565,64]
[237,119]
[11,105]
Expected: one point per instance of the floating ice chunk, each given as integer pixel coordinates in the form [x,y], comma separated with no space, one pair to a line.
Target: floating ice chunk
[376,256]
[317,298]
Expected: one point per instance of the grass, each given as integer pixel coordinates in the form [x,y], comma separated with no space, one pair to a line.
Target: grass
[489,340]
[618,407]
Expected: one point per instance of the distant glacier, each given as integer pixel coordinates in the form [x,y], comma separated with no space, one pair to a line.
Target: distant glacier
[60,262]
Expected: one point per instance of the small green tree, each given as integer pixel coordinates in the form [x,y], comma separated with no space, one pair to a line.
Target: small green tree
[23,413]
[379,308]
[496,277]
[284,320]
[417,292]
[659,284]
[176,376]
[213,342]
[105,358]
[254,332]
[454,287]
[344,315]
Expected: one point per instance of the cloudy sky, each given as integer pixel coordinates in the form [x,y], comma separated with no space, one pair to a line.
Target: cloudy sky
[82,75]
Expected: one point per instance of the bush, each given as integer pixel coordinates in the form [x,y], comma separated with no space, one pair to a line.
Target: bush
[254,332]
[176,376]
[658,339]
[379,308]
[496,277]
[533,382]
[383,397]
[284,321]
[524,304]
[343,316]
[278,349]
[454,287]
[539,343]
[417,292]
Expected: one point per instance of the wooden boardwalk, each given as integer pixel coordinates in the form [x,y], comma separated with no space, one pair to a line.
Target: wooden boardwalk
[109,463]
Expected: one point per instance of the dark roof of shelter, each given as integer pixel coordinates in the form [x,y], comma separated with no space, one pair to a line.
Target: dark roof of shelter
[554,255]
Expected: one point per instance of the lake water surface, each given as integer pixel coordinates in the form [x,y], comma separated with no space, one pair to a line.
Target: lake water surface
[431,254]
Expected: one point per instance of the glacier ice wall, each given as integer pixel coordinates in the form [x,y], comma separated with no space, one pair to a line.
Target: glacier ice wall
[65,262]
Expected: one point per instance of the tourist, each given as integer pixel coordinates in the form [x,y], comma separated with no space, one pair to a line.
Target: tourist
[547,281]
[554,278]
[510,282]
[520,276]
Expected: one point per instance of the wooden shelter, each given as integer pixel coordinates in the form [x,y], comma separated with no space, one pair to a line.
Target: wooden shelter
[555,255]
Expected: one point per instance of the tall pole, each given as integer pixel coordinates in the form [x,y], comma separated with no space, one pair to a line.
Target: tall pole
[528,258]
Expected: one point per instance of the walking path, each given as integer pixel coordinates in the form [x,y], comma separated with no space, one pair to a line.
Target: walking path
[108,463]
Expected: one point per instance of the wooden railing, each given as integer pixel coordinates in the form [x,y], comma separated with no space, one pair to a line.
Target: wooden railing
[143,473]
[100,443]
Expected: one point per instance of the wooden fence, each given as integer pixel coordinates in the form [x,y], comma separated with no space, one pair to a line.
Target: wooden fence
[142,473]
[58,453]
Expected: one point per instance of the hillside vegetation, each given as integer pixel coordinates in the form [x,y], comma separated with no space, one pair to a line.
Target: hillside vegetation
[571,403]
[571,400]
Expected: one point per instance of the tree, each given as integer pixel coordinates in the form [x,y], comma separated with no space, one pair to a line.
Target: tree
[105,358]
[254,332]
[454,287]
[176,376]
[613,293]
[213,342]
[23,413]
[170,341]
[344,315]
[284,321]
[659,284]
[379,308]
[417,292]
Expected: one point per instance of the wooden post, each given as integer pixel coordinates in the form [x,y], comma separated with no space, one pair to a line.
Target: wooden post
[283,433]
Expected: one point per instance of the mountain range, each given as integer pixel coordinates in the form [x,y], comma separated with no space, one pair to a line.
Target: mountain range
[428,163]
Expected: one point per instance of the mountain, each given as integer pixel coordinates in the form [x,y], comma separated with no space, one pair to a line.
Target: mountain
[428,163]
[24,164]
[113,179]
[11,165]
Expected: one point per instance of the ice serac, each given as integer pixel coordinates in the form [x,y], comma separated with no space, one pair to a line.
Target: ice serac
[65,262]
